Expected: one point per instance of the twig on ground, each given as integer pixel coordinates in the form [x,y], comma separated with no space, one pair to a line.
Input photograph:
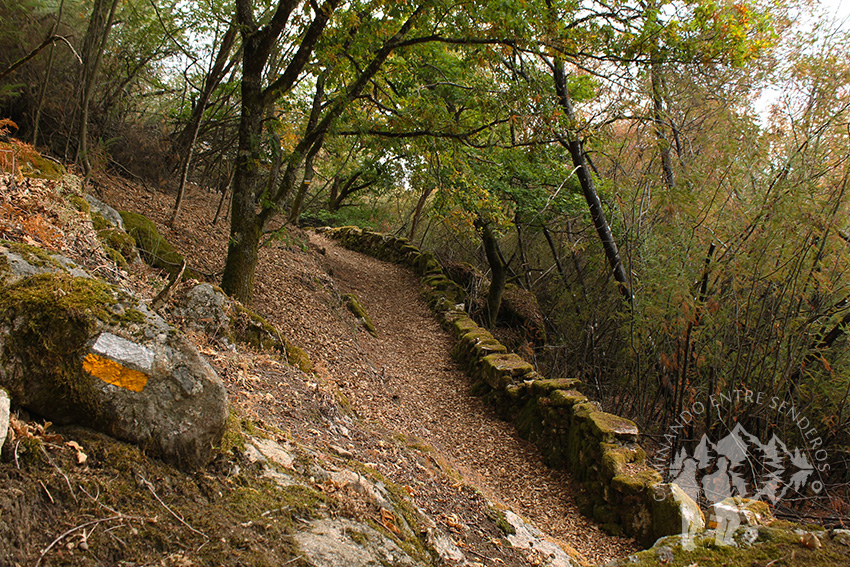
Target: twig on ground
[162,296]
[68,532]
[55,466]
[47,492]
[96,500]
[170,511]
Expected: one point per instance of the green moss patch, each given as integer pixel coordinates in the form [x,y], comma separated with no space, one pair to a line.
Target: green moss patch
[79,203]
[463,325]
[544,387]
[784,549]
[608,427]
[155,249]
[34,255]
[566,398]
[297,357]
[50,319]
[501,521]
[33,164]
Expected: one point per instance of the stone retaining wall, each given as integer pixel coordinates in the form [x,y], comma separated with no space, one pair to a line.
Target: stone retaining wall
[600,449]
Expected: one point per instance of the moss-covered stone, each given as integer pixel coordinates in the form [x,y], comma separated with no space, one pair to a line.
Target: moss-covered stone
[79,203]
[501,521]
[462,325]
[544,386]
[98,221]
[635,482]
[528,422]
[671,512]
[609,427]
[48,319]
[359,311]
[297,357]
[155,249]
[34,255]
[500,369]
[616,457]
[750,512]
[565,398]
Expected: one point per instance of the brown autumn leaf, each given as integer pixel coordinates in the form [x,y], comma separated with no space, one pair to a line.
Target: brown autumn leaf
[81,457]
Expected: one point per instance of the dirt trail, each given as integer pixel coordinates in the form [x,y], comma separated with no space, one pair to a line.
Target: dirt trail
[413,386]
[404,380]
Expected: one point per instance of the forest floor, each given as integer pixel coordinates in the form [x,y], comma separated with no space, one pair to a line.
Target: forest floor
[403,381]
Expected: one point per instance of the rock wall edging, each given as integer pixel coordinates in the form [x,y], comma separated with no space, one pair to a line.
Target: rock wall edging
[600,449]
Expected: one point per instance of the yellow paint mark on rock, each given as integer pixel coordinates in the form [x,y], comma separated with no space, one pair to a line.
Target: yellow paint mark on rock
[113,373]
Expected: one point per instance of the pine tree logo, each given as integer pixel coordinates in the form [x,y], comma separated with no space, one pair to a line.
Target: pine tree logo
[739,465]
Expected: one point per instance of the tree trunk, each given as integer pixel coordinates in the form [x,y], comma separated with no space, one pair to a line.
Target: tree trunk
[100,24]
[246,226]
[498,275]
[249,213]
[309,172]
[556,257]
[242,252]
[47,73]
[417,212]
[190,135]
[574,145]
[658,118]
[520,241]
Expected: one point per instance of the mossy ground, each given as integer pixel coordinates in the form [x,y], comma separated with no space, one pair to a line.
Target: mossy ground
[142,511]
[31,163]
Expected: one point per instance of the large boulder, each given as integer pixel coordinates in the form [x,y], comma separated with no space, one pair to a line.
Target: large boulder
[74,349]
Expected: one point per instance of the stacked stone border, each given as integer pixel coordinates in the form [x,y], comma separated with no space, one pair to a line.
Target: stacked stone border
[600,449]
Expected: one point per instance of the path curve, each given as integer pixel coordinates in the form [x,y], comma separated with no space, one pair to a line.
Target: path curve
[413,386]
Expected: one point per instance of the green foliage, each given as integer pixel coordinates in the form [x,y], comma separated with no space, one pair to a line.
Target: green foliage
[362,216]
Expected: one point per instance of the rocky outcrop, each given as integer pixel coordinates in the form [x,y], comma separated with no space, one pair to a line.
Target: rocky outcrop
[601,450]
[340,542]
[109,214]
[403,536]
[207,308]
[76,350]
